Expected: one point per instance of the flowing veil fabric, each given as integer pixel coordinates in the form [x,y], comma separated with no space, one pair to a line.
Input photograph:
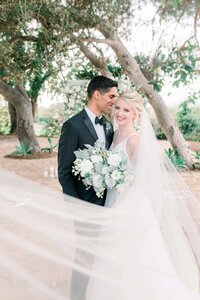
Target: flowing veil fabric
[176,210]
[146,247]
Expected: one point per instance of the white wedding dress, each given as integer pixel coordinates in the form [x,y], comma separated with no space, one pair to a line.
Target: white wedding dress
[112,195]
[141,265]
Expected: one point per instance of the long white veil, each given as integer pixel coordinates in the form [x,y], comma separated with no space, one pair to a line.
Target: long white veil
[57,247]
[176,209]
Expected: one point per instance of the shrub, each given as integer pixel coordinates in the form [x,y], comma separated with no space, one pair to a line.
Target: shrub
[50,148]
[74,101]
[187,121]
[52,128]
[176,159]
[22,150]
[197,157]
[4,121]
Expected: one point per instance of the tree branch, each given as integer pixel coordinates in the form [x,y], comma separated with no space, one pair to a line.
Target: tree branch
[10,94]
[99,63]
[25,38]
[197,16]
[108,42]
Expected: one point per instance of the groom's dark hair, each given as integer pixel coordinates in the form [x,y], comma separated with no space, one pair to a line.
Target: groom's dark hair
[101,84]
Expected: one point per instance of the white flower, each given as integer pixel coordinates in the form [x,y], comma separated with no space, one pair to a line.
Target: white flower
[104,170]
[86,166]
[78,162]
[108,126]
[116,175]
[98,168]
[87,181]
[97,180]
[114,159]
[96,159]
[110,182]
[99,144]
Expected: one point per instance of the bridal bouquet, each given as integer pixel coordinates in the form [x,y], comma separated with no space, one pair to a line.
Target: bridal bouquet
[101,168]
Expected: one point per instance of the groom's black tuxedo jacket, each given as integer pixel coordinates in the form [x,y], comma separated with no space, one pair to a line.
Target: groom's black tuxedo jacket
[76,132]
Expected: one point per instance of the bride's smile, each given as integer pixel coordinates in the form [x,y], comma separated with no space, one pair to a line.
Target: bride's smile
[124,113]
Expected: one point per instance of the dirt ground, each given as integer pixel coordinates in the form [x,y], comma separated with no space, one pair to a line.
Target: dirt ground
[41,170]
[45,170]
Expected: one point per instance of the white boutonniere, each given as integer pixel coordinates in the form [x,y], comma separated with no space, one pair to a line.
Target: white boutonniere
[108,126]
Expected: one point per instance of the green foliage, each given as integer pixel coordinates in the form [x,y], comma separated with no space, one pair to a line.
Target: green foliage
[176,8]
[83,73]
[22,150]
[36,36]
[25,47]
[4,121]
[115,70]
[87,71]
[74,101]
[185,118]
[74,98]
[52,127]
[176,159]
[181,64]
[36,82]
[50,148]
[90,13]
[188,123]
[197,152]
[157,84]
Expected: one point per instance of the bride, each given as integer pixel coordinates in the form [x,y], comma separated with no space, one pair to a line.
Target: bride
[144,244]
[152,259]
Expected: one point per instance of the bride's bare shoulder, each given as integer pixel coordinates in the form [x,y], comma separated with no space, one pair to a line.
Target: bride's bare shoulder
[132,144]
[134,139]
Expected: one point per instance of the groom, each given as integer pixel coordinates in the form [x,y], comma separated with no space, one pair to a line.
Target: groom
[85,128]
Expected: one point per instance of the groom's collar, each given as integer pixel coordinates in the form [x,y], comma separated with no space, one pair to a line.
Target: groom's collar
[91,115]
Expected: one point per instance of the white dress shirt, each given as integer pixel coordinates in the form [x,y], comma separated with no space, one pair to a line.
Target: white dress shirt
[98,128]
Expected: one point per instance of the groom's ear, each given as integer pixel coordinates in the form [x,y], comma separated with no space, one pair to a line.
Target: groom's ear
[96,95]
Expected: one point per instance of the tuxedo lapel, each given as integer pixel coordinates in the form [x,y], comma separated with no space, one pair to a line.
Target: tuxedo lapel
[89,124]
[108,132]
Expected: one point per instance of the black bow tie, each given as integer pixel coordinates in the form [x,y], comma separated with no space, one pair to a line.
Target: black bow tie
[100,121]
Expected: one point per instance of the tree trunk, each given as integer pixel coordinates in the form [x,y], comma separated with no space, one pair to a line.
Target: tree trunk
[25,126]
[162,112]
[34,107]
[13,118]
[25,129]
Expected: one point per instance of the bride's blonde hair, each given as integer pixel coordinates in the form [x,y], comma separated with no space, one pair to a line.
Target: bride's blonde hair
[135,100]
